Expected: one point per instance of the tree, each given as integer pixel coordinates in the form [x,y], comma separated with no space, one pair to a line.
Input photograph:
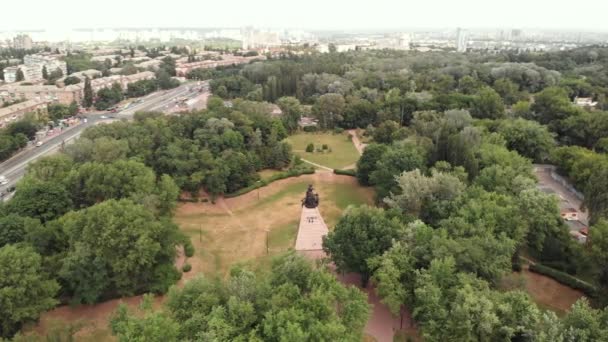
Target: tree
[392,163]
[43,200]
[19,76]
[428,197]
[25,291]
[14,228]
[88,93]
[45,73]
[151,326]
[529,138]
[507,90]
[329,110]
[135,255]
[599,251]
[362,233]
[488,104]
[292,111]
[367,163]
[551,105]
[596,193]
[386,132]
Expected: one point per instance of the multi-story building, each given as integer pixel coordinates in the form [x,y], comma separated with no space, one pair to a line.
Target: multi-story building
[461,40]
[17,111]
[23,41]
[32,68]
[66,95]
[10,74]
[184,68]
[49,93]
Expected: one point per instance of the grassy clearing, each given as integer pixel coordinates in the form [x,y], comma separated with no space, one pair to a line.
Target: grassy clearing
[222,240]
[547,293]
[343,152]
[266,174]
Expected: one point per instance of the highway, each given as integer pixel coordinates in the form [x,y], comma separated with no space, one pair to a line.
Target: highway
[15,167]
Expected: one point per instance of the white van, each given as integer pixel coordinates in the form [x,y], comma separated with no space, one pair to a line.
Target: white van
[3,180]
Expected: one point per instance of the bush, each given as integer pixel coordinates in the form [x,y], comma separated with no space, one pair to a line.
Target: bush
[325,147]
[293,172]
[310,148]
[346,172]
[565,279]
[338,130]
[188,249]
[309,129]
[187,267]
[191,200]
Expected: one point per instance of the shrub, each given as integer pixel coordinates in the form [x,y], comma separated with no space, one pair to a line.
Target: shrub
[346,172]
[310,148]
[298,170]
[309,129]
[188,249]
[325,147]
[565,279]
[338,130]
[187,267]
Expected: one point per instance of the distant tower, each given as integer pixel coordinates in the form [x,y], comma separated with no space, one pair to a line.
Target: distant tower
[404,41]
[22,41]
[461,40]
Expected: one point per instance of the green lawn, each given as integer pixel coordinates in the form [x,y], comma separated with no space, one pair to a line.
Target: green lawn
[343,152]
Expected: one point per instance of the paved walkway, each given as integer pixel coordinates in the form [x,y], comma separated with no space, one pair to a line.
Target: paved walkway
[317,165]
[311,231]
[543,173]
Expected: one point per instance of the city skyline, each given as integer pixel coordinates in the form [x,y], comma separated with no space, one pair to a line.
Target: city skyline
[61,15]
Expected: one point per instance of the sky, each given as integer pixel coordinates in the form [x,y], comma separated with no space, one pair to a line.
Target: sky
[584,15]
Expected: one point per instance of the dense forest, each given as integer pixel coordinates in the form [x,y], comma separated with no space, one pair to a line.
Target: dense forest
[453,142]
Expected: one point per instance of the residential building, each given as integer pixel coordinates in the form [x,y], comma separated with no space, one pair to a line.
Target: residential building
[50,93]
[17,111]
[23,41]
[585,102]
[184,68]
[461,40]
[65,95]
[32,68]
[10,74]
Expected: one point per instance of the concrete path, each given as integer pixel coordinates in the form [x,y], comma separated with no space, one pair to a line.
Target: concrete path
[317,165]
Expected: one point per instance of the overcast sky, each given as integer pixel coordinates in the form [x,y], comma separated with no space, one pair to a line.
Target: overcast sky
[589,15]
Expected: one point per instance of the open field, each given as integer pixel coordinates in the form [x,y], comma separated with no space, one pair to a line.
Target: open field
[546,292]
[343,152]
[228,232]
[247,230]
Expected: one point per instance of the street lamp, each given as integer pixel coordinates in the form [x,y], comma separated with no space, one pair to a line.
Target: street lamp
[267,231]
[259,185]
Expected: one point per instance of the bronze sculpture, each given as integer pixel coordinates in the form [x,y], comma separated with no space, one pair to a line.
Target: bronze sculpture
[311,200]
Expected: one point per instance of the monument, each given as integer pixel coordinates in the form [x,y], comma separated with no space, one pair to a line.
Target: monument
[311,200]
[312,226]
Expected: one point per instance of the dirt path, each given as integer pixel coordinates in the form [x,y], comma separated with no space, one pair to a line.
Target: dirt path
[358,144]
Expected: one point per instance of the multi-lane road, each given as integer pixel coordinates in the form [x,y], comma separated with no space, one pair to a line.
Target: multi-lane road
[15,167]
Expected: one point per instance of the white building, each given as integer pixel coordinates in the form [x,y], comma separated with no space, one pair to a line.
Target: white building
[461,40]
[32,68]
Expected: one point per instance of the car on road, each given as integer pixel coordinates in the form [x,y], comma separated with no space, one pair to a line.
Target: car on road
[103,117]
[3,180]
[39,143]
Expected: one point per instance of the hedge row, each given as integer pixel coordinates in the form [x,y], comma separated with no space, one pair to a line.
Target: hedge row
[193,200]
[277,176]
[349,172]
[565,279]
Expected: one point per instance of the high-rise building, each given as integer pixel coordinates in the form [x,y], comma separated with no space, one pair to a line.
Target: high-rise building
[23,41]
[461,40]
[404,41]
